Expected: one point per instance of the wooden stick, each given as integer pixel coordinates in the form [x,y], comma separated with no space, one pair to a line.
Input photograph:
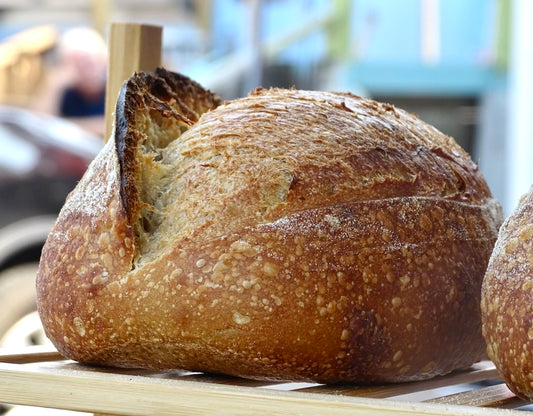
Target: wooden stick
[29,355]
[132,47]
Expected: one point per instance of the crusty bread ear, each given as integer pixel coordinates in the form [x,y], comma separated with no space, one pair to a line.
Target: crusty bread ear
[289,234]
[104,220]
[152,110]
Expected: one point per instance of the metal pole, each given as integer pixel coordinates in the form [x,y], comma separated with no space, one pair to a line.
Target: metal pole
[254,75]
[520,114]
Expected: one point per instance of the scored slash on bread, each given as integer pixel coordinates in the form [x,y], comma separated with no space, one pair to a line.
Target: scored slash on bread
[291,235]
[175,102]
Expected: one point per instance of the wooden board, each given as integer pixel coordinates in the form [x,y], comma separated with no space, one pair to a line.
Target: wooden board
[132,47]
[41,377]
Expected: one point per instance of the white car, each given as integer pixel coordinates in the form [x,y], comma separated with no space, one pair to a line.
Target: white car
[41,159]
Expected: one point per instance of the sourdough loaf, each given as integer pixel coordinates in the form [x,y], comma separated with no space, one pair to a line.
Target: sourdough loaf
[507,300]
[290,235]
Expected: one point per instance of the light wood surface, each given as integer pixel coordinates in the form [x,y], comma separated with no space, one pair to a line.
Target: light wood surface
[132,47]
[31,378]
[492,396]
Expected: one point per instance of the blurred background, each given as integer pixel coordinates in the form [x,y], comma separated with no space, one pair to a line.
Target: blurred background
[463,66]
[449,61]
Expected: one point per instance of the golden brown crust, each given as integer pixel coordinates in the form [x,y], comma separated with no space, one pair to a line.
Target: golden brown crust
[287,235]
[507,296]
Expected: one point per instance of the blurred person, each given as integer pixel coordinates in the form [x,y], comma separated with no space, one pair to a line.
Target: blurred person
[76,86]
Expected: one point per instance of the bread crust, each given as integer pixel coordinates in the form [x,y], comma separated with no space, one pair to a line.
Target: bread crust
[507,297]
[291,235]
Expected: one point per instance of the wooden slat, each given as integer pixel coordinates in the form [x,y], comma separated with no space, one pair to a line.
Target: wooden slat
[73,388]
[29,355]
[492,396]
[39,376]
[480,371]
[132,47]
[221,379]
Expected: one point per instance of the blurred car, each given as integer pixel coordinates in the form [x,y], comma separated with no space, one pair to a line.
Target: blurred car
[41,159]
